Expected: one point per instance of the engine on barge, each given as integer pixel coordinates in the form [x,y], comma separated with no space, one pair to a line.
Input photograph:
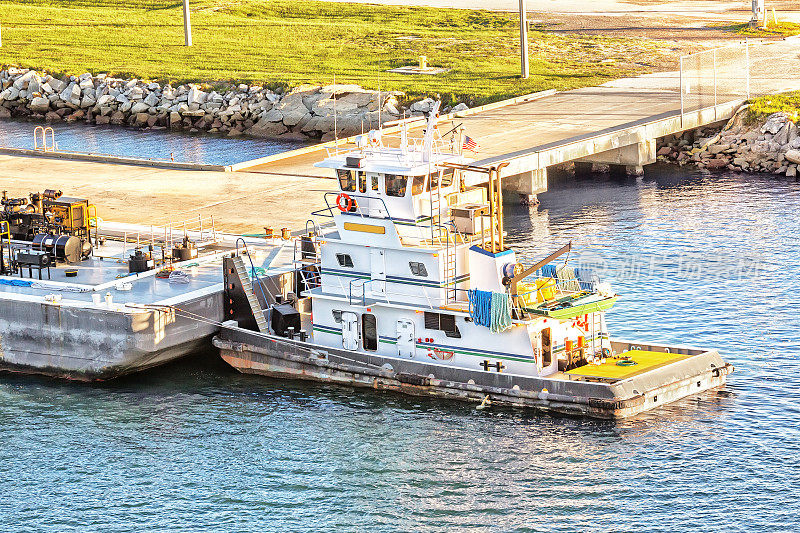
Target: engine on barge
[45,227]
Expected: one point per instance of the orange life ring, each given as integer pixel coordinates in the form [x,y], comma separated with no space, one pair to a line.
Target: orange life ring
[348,205]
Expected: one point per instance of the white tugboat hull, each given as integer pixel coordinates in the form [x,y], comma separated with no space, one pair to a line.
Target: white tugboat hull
[267,355]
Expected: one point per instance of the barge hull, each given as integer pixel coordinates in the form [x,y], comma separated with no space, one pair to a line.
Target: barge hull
[271,356]
[91,343]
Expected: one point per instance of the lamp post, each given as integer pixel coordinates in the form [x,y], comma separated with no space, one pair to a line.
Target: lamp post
[523,38]
[187,24]
[758,11]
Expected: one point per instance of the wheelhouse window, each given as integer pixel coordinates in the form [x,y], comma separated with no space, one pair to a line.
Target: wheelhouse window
[345,260]
[442,322]
[418,269]
[369,332]
[396,185]
[347,179]
[418,185]
[446,178]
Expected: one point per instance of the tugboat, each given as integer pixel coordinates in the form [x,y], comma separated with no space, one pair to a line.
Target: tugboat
[414,290]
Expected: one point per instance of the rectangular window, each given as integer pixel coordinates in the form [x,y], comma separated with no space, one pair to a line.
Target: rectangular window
[442,322]
[347,179]
[375,183]
[418,185]
[396,185]
[345,260]
[362,183]
[446,178]
[337,316]
[418,269]
[369,332]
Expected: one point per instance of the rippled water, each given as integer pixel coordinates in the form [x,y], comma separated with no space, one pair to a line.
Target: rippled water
[703,260]
[155,144]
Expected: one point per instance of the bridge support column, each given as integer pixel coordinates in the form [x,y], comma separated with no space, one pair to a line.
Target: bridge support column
[625,160]
[527,185]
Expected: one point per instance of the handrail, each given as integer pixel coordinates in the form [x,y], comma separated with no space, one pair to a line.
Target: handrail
[331,213]
[252,266]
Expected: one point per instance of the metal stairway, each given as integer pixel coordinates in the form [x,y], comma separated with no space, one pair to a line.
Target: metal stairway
[247,289]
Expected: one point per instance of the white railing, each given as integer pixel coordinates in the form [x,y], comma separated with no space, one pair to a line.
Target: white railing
[201,231]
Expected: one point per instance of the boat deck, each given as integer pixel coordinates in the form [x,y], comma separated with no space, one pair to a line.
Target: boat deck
[107,272]
[625,365]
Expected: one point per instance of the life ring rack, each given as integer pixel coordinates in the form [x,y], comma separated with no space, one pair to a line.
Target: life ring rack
[345,202]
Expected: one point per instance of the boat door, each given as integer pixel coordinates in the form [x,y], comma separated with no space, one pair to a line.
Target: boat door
[349,330]
[406,347]
[372,188]
[547,349]
[377,261]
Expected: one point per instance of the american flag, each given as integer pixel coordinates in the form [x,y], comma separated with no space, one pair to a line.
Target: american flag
[469,144]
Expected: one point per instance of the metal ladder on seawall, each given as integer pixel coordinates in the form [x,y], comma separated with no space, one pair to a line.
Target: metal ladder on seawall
[247,288]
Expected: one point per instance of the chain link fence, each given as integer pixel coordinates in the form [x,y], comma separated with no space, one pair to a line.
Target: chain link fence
[738,72]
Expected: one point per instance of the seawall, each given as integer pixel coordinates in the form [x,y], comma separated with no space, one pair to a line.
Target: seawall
[312,112]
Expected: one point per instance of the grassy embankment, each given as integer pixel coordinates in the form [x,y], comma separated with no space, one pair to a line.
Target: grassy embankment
[288,43]
[781,29]
[766,105]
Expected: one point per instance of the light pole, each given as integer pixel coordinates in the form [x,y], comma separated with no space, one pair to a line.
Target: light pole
[187,24]
[523,38]
[758,11]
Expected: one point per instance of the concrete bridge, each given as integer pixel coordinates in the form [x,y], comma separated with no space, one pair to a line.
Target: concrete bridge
[616,124]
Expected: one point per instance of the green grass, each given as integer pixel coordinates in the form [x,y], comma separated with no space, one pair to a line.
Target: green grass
[288,43]
[779,103]
[782,29]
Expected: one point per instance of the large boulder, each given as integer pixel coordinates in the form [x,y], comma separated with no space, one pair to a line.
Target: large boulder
[23,81]
[12,93]
[267,129]
[793,156]
[196,96]
[294,117]
[775,122]
[40,104]
[151,100]
[139,107]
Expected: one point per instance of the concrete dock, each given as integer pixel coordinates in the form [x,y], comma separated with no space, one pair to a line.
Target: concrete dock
[241,202]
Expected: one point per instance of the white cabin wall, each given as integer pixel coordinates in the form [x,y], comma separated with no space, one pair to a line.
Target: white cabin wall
[486,269]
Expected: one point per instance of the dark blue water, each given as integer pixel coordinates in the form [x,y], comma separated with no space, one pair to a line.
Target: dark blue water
[703,260]
[215,149]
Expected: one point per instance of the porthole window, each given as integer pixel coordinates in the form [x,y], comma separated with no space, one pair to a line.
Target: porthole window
[345,260]
[418,269]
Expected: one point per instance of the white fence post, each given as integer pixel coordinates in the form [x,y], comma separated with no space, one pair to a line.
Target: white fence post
[714,60]
[680,82]
[747,64]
